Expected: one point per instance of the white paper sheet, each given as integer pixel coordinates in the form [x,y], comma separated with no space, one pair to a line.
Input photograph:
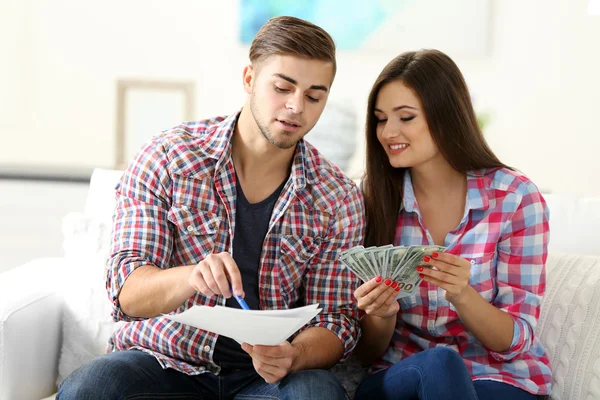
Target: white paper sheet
[269,327]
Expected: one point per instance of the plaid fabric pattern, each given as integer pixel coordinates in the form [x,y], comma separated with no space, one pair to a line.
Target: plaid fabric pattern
[176,205]
[504,232]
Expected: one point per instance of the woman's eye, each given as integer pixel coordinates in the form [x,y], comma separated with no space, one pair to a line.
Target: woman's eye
[406,119]
[380,121]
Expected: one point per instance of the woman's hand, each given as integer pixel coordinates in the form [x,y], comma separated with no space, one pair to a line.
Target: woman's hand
[377,297]
[451,273]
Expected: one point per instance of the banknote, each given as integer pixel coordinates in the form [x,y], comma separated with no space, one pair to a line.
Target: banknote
[399,263]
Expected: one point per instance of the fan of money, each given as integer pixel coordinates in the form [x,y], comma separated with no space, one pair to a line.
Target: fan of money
[399,263]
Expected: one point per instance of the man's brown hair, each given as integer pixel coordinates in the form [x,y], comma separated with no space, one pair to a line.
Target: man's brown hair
[294,36]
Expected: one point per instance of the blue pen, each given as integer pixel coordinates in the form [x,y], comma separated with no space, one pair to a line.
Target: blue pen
[239,299]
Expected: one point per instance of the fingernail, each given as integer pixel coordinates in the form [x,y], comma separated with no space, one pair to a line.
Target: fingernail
[421,276]
[398,289]
[419,268]
[387,282]
[426,258]
[394,285]
[378,279]
[434,255]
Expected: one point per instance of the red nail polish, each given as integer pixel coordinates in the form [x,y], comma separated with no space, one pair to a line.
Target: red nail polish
[387,282]
[421,276]
[426,258]
[419,268]
[434,255]
[378,279]
[394,285]
[398,289]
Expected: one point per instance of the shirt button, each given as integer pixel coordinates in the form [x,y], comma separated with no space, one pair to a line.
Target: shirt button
[190,228]
[207,348]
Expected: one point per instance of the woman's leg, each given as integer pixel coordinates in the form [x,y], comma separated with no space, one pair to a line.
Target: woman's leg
[438,373]
[492,390]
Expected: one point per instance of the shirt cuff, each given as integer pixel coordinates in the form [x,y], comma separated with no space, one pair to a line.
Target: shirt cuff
[345,328]
[114,286]
[520,342]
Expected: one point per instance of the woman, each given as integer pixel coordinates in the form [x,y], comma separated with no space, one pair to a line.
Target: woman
[468,332]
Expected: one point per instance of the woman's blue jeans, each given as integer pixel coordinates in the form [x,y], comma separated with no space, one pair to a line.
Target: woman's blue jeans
[438,373]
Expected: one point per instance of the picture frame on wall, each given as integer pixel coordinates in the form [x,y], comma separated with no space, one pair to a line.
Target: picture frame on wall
[144,109]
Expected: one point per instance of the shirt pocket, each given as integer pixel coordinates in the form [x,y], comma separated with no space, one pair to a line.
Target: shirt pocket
[295,254]
[196,193]
[195,234]
[483,275]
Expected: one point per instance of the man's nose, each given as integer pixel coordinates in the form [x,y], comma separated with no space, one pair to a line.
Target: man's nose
[295,104]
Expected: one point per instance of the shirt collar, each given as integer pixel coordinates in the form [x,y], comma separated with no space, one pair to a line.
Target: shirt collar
[409,201]
[477,195]
[218,139]
[218,146]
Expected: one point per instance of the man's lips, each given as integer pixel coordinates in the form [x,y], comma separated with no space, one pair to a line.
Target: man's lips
[289,122]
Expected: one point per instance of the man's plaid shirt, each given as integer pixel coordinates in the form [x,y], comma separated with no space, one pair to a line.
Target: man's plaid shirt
[176,205]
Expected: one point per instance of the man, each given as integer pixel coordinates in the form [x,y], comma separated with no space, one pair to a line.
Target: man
[240,200]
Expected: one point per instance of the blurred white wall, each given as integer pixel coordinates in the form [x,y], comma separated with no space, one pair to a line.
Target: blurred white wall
[59,62]
[31,216]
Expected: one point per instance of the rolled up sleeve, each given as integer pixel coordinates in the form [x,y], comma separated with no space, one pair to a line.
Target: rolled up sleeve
[521,272]
[140,234]
[329,283]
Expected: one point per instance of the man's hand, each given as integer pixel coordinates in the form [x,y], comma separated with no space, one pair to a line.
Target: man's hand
[272,363]
[212,275]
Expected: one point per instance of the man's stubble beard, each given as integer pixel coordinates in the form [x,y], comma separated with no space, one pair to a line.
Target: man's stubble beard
[264,129]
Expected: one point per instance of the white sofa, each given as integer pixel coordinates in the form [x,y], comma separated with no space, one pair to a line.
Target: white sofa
[54,311]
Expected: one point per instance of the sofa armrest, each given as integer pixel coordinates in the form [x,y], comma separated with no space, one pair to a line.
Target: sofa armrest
[569,325]
[30,328]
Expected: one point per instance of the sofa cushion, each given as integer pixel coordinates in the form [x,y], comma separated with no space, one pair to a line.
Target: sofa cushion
[100,203]
[574,221]
[569,325]
[87,322]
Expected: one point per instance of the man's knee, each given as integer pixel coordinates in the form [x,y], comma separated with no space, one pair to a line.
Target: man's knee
[88,381]
[103,377]
[313,384]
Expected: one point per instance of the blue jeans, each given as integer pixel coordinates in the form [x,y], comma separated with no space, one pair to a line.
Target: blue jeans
[438,373]
[136,375]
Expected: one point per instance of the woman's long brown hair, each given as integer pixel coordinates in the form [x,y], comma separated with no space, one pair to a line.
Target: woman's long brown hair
[439,84]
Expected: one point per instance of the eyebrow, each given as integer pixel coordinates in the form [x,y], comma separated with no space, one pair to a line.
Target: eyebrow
[398,108]
[295,82]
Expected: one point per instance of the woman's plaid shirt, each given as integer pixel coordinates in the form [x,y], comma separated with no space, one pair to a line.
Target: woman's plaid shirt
[504,232]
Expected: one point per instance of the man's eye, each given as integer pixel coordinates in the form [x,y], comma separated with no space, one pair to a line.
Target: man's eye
[281,90]
[312,99]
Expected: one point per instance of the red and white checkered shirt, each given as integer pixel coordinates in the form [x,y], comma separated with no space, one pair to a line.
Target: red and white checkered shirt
[176,204]
[504,232]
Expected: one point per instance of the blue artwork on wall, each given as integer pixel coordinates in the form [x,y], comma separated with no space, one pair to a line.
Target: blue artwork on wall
[457,27]
[349,22]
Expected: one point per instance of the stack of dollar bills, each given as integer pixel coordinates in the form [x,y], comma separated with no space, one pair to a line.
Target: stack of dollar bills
[398,263]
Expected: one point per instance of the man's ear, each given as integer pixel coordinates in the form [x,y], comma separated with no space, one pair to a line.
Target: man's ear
[249,76]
